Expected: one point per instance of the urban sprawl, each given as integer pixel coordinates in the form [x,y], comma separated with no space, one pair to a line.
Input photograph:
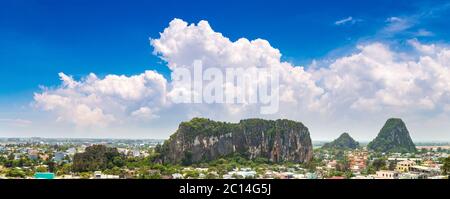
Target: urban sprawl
[42,158]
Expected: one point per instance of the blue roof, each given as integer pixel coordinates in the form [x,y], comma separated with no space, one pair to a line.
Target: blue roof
[44,175]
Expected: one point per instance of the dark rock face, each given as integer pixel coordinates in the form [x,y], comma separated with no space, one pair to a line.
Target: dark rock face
[393,137]
[204,140]
[344,141]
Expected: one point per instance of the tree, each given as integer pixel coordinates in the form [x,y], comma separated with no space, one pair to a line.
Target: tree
[114,171]
[3,160]
[146,173]
[11,156]
[51,166]
[211,176]
[369,170]
[392,165]
[348,174]
[192,174]
[153,175]
[379,164]
[446,166]
[423,150]
[15,173]
[118,161]
[85,175]
[96,157]
[65,169]
[343,165]
[41,169]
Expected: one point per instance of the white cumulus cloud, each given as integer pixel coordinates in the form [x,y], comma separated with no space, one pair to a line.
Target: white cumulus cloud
[99,101]
[375,81]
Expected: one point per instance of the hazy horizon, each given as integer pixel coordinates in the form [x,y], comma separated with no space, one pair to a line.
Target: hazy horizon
[131,138]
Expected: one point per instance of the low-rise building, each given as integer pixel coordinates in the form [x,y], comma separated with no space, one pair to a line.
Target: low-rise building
[384,174]
[177,176]
[409,175]
[405,165]
[136,153]
[59,156]
[299,176]
[428,171]
[332,164]
[242,173]
[363,177]
[337,177]
[310,175]
[398,159]
[227,176]
[99,175]
[43,156]
[358,160]
[33,154]
[71,151]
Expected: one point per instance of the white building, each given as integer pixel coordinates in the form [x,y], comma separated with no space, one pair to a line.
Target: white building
[99,175]
[409,176]
[71,151]
[243,173]
[428,171]
[136,153]
[384,174]
[177,176]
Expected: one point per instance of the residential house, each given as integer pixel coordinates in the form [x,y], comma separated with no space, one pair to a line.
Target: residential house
[405,165]
[384,174]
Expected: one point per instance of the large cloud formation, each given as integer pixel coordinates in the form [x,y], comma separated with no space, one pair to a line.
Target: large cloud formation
[378,79]
[93,101]
[373,81]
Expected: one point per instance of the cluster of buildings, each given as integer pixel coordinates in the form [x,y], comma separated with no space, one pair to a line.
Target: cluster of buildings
[355,164]
[133,152]
[396,165]
[243,173]
[412,169]
[36,153]
[275,172]
[32,155]
[358,160]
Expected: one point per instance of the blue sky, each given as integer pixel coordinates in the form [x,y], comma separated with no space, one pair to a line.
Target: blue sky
[40,38]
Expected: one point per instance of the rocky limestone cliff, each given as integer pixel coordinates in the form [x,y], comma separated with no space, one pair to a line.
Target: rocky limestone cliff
[203,140]
[393,137]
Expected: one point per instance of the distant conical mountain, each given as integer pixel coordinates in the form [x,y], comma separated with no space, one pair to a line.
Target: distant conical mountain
[393,137]
[344,141]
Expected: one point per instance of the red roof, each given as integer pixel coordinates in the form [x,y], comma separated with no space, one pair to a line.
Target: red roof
[337,177]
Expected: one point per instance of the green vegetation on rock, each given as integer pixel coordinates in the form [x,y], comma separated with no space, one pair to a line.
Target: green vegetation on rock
[344,141]
[202,140]
[446,166]
[393,137]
